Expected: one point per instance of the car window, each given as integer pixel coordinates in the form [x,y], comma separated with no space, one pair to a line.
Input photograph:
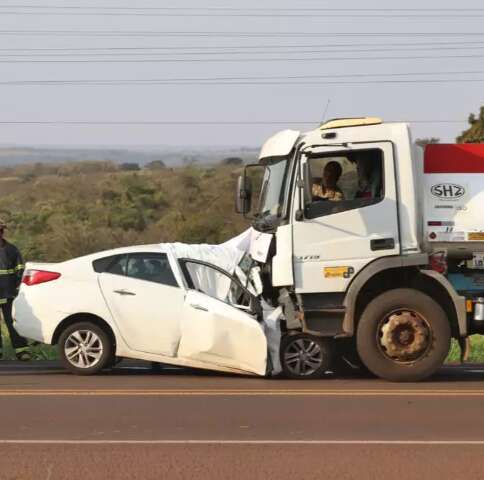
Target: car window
[344,181]
[152,267]
[212,282]
[115,264]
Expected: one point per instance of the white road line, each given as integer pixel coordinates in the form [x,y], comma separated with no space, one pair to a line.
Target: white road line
[242,442]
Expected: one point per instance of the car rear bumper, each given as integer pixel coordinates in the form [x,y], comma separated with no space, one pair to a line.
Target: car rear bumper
[30,322]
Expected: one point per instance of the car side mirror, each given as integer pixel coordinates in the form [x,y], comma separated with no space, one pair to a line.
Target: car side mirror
[243,195]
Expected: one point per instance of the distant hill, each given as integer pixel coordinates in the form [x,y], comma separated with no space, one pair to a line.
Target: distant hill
[170,156]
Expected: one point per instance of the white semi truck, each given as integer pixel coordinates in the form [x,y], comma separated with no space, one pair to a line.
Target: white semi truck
[387,271]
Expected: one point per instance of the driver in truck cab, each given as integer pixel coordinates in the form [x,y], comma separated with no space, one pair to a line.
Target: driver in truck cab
[328,188]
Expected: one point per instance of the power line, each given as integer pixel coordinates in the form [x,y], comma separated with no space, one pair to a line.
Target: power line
[237,60]
[152,33]
[249,47]
[239,78]
[259,83]
[238,9]
[346,14]
[236,52]
[187,122]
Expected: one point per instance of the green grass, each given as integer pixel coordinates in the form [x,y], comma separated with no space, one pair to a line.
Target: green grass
[477,350]
[48,352]
[39,352]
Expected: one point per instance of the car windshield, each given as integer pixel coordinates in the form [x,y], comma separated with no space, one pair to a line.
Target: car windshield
[271,196]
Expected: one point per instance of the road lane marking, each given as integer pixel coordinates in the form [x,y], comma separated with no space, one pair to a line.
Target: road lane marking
[242,442]
[242,392]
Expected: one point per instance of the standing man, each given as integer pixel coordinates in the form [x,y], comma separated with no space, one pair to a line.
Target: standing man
[11,270]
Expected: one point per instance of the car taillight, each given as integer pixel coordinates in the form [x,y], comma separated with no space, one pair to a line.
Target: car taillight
[34,277]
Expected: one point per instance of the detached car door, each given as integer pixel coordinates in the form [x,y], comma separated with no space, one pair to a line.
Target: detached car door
[220,320]
[145,300]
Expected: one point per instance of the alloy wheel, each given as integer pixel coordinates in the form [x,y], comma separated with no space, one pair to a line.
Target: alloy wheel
[303,356]
[83,348]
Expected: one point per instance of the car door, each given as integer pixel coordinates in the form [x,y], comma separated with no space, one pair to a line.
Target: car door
[145,300]
[219,321]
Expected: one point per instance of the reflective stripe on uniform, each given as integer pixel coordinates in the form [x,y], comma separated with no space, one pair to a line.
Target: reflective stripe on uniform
[10,271]
[3,301]
[21,349]
[7,272]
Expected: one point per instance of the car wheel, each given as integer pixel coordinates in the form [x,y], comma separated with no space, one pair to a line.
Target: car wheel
[403,335]
[305,356]
[85,348]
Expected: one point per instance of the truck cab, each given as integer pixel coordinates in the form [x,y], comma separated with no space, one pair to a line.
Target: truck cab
[338,230]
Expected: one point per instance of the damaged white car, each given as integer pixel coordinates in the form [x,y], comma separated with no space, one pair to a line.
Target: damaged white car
[185,305]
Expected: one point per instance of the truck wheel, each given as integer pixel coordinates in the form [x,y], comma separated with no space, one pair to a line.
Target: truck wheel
[305,356]
[403,335]
[85,348]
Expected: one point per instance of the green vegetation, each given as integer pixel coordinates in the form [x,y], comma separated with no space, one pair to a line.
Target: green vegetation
[61,212]
[57,212]
[477,350]
[475,132]
[39,352]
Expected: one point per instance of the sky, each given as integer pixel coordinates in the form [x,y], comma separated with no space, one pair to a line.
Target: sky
[422,64]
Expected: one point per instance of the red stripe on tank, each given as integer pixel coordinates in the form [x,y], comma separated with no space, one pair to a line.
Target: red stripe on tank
[454,158]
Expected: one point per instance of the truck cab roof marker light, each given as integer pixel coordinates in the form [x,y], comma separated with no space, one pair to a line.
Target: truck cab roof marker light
[350,122]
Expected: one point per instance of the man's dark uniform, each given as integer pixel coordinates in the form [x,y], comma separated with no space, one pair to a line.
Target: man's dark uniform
[11,270]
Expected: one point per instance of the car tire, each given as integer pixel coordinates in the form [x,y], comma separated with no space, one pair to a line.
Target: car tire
[85,348]
[403,335]
[305,356]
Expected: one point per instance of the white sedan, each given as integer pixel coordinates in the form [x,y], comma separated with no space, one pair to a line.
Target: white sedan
[145,303]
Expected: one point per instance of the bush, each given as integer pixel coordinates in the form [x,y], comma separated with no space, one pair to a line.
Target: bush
[237,161]
[129,166]
[56,217]
[155,165]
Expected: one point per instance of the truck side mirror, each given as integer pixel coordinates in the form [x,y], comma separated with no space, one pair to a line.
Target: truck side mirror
[243,195]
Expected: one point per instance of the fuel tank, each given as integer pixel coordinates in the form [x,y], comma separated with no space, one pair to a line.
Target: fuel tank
[453,200]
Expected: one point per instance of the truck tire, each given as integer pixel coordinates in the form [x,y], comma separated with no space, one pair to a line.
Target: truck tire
[403,335]
[305,356]
[85,348]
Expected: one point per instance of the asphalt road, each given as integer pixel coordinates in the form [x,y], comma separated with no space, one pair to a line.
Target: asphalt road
[133,423]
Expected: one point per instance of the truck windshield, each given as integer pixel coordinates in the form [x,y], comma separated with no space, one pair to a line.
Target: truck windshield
[271,196]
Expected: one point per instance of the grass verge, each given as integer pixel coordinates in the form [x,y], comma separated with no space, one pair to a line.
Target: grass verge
[48,352]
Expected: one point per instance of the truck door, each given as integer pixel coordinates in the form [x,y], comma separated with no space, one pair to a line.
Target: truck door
[348,224]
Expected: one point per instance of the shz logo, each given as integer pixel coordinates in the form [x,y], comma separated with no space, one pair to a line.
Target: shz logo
[447,191]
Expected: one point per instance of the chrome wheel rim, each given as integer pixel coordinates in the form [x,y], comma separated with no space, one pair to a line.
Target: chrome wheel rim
[83,348]
[404,336]
[303,357]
